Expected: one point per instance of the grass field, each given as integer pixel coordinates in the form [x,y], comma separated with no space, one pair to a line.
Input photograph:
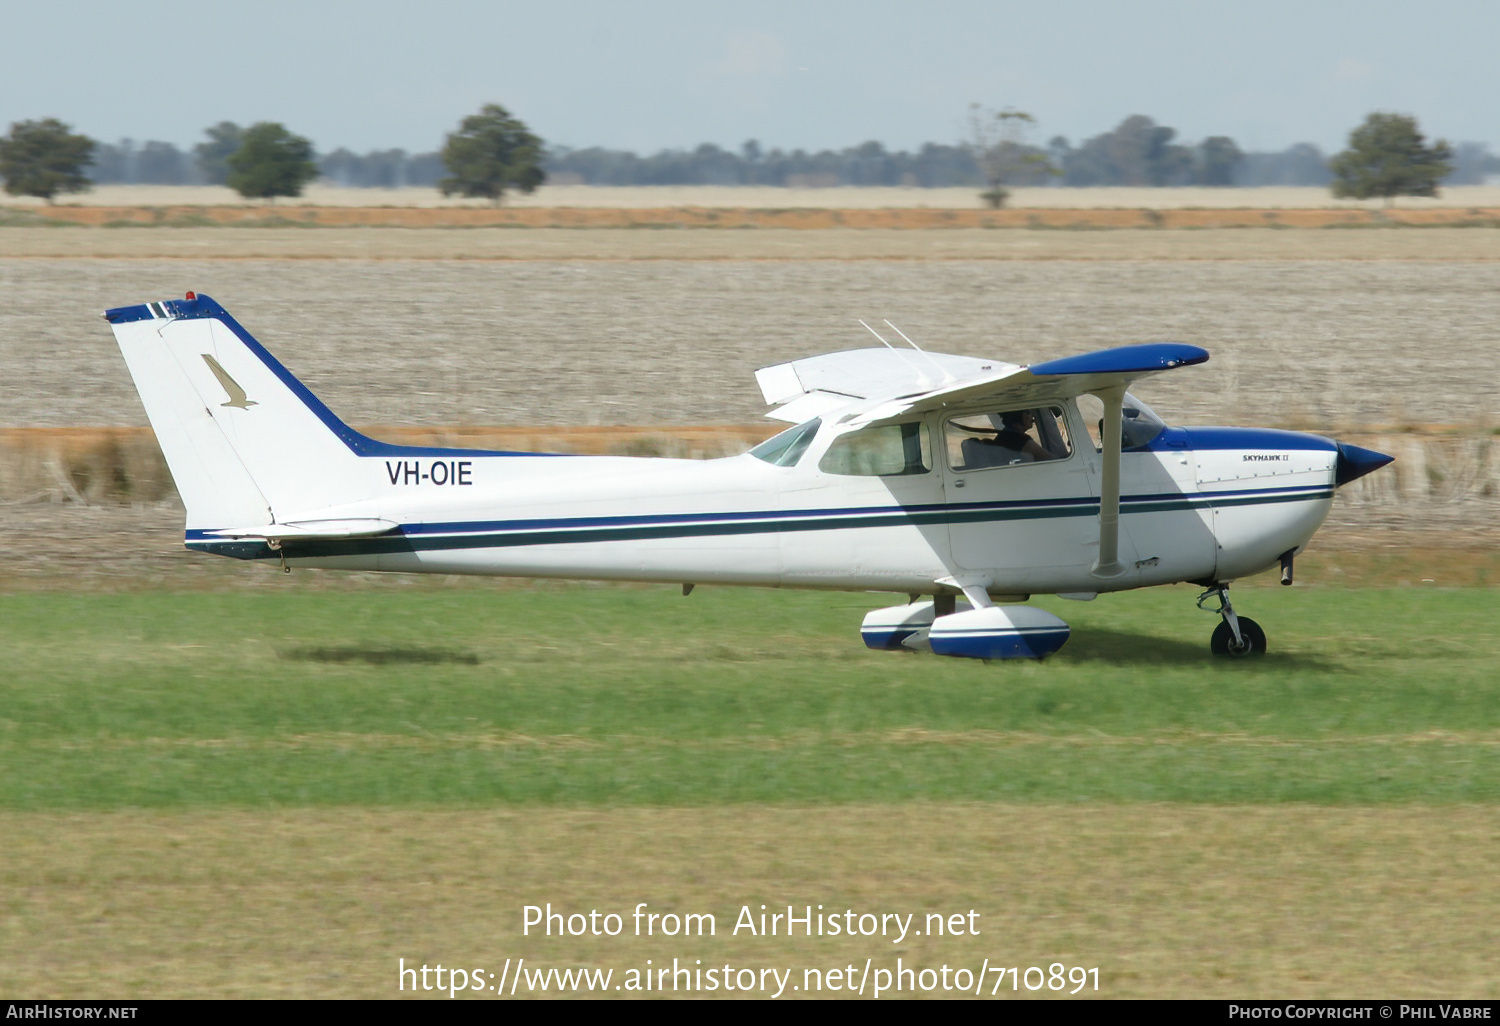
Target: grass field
[282,792]
[588,696]
[529,694]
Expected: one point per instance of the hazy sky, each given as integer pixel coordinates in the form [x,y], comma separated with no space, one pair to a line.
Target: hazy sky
[810,73]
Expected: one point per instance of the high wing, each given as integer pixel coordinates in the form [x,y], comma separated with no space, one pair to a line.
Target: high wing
[820,384]
[904,382]
[1054,380]
[911,381]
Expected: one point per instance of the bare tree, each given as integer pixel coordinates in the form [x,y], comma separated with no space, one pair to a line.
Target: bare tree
[997,139]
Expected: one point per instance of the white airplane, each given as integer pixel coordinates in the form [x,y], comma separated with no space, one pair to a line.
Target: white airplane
[967,484]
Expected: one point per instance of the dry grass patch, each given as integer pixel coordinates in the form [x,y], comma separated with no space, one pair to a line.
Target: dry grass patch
[1168,901]
[1130,241]
[324,194]
[798,218]
[1410,558]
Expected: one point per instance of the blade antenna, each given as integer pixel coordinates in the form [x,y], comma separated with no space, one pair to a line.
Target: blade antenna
[930,359]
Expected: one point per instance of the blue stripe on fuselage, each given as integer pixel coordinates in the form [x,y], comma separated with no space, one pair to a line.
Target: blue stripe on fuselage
[577,530]
[1179,439]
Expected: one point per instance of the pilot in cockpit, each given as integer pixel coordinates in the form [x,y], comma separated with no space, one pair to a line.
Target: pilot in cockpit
[1015,434]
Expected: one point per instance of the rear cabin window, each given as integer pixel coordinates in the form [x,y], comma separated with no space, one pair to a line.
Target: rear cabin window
[785,449]
[886,451]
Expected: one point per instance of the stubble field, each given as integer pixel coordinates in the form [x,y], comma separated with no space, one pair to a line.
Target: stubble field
[217,782]
[1394,332]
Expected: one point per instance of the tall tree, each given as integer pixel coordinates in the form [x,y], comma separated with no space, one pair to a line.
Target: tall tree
[1218,156]
[491,152]
[1388,157]
[1137,151]
[1144,153]
[213,156]
[997,139]
[43,158]
[271,162]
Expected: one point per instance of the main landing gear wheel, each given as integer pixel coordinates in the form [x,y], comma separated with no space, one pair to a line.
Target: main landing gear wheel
[1237,636]
[1253,640]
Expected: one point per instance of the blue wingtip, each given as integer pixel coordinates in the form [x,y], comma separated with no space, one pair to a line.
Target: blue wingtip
[1153,356]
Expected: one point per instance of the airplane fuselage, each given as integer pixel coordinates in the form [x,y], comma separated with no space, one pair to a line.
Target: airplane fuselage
[1197,504]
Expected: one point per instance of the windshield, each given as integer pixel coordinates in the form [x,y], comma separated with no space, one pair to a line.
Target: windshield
[1140,423]
[785,449]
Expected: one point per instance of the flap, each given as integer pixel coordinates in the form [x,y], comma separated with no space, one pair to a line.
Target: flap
[870,373]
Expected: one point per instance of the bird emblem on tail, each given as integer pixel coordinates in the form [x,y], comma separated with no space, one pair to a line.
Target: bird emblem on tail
[237,397]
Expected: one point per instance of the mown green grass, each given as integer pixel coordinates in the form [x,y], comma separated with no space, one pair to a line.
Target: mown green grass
[585,695]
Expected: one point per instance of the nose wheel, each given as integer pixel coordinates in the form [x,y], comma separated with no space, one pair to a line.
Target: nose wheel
[1236,636]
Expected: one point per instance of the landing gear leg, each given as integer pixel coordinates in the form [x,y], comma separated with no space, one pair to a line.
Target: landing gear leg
[1236,636]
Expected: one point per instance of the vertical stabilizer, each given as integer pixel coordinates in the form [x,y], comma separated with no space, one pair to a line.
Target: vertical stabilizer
[246,442]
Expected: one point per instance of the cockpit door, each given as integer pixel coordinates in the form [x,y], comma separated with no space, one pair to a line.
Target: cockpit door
[1022,505]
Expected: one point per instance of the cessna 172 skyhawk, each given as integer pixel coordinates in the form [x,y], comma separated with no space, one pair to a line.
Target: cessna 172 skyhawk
[967,484]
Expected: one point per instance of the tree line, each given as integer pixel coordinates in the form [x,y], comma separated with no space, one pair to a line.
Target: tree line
[161,163]
[1131,154]
[489,153]
[492,151]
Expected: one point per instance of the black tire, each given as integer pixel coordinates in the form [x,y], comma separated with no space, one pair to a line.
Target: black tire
[1222,643]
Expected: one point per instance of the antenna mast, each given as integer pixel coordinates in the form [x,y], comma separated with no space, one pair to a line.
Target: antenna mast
[921,375]
[944,373]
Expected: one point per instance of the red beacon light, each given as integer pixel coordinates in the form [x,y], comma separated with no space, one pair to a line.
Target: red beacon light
[192,296]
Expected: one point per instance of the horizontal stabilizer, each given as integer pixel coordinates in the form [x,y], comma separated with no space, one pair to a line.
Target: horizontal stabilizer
[309,530]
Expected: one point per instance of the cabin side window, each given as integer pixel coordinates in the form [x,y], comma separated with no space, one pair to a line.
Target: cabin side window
[885,451]
[785,449]
[1004,438]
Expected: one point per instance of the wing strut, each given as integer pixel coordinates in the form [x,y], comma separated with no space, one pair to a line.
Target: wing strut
[1109,564]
